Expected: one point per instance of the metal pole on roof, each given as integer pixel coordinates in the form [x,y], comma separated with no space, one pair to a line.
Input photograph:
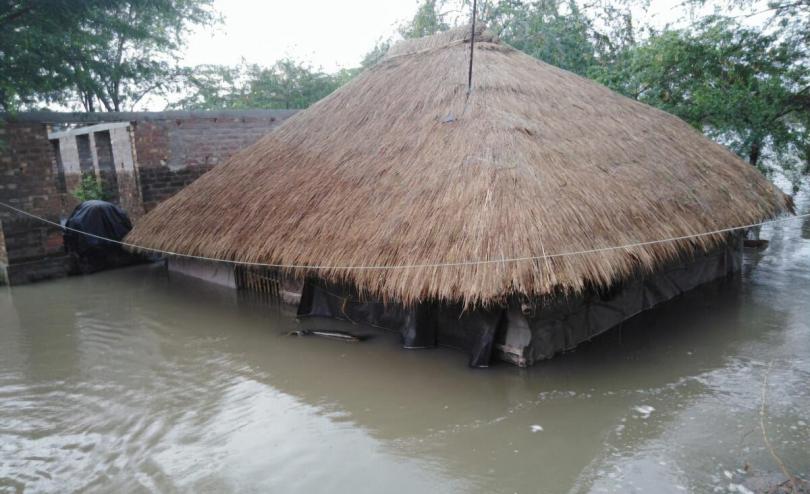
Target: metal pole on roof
[472,48]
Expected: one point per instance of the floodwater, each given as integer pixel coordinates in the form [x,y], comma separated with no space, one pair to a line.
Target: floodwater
[134,380]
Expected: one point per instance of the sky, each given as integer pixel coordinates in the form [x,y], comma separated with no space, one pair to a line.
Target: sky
[327,33]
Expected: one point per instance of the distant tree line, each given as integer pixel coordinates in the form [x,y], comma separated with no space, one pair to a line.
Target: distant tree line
[287,84]
[745,84]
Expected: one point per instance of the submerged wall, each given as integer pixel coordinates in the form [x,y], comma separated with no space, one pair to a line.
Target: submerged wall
[523,332]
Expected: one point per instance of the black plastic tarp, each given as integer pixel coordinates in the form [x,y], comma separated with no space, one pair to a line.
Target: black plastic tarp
[98,219]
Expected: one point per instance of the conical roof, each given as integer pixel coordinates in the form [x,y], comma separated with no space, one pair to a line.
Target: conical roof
[399,169]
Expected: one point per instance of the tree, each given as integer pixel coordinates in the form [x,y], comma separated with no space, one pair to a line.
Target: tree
[213,87]
[746,89]
[425,22]
[564,33]
[287,84]
[376,54]
[34,37]
[552,31]
[791,18]
[99,52]
[131,49]
[560,32]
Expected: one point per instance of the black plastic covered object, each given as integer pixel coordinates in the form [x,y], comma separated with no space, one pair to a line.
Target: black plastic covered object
[97,220]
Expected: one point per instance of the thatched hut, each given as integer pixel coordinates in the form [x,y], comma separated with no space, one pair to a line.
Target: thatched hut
[418,205]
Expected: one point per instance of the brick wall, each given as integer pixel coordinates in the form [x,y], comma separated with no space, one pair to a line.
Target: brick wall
[151,141]
[28,181]
[160,183]
[182,143]
[172,153]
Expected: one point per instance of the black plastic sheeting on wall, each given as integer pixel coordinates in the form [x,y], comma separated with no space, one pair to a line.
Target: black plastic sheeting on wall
[423,325]
[541,330]
[522,331]
[99,219]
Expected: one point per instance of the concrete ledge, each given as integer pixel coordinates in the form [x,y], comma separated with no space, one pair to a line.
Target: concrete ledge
[88,129]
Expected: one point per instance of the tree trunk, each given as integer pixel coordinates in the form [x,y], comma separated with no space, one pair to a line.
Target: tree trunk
[87,102]
[116,95]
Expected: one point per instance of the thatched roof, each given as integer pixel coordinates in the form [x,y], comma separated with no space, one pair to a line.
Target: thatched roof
[538,161]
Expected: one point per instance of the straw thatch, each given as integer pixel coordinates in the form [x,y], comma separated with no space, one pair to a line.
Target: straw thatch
[396,169]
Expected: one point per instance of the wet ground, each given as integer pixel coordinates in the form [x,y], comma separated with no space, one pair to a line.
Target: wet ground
[134,380]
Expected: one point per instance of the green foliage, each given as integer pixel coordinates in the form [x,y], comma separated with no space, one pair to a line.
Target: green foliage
[133,49]
[560,32]
[376,54]
[93,51]
[425,22]
[556,32]
[213,87]
[89,189]
[789,18]
[744,88]
[287,84]
[32,48]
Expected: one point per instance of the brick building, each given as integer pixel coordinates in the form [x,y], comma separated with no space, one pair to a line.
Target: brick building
[139,158]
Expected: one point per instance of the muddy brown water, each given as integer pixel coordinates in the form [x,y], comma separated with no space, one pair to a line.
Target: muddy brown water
[134,380]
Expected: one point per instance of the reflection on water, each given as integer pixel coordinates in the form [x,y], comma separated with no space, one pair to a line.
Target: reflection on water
[133,380]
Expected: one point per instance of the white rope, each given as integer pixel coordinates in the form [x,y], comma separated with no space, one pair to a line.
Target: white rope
[410,266]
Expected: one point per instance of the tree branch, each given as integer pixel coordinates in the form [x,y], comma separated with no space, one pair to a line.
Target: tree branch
[11,16]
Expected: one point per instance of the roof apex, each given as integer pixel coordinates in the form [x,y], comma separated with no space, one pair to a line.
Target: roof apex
[460,34]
